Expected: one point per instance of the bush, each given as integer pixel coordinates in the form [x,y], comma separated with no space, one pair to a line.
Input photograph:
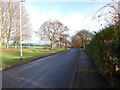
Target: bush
[105,51]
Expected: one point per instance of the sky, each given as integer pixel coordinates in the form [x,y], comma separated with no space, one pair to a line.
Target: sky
[75,15]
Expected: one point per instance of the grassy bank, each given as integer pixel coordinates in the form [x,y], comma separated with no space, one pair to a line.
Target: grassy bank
[12,56]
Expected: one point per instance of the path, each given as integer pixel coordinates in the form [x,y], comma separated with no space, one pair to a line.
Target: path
[87,75]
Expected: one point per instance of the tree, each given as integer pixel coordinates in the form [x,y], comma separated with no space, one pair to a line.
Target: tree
[52,30]
[10,23]
[81,38]
[112,15]
[25,27]
[114,22]
[3,21]
[76,41]
[62,41]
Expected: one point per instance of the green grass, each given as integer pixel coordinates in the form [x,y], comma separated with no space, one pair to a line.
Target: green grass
[12,56]
[37,47]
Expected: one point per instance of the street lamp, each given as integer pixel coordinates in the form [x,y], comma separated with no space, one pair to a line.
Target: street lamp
[21,32]
[119,12]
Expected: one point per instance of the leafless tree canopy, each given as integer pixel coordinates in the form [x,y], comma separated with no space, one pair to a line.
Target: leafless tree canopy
[112,15]
[10,23]
[53,31]
[80,38]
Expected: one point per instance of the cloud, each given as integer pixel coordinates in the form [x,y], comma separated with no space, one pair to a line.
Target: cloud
[74,21]
[69,0]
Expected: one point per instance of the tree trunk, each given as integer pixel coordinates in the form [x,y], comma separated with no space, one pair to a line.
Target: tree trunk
[7,46]
[16,44]
[60,44]
[1,41]
[65,45]
[52,45]
[8,38]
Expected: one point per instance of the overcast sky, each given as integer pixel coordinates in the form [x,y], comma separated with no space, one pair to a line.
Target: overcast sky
[74,15]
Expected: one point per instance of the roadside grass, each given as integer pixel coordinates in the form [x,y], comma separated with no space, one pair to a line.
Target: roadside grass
[11,56]
[37,47]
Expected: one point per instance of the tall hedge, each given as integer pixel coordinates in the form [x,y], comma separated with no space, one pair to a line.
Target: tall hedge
[105,51]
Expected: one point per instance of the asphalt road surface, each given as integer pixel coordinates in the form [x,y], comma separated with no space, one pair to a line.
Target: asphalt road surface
[55,71]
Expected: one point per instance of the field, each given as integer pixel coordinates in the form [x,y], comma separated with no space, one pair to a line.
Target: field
[11,56]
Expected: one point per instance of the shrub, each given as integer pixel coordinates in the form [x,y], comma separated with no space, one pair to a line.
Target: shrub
[105,51]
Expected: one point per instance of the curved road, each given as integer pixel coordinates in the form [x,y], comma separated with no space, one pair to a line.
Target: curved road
[55,71]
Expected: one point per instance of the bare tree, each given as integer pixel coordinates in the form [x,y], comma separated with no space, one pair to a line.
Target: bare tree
[25,27]
[62,41]
[112,15]
[80,38]
[10,23]
[52,30]
[4,21]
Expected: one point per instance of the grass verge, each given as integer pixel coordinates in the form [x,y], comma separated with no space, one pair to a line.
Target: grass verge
[11,57]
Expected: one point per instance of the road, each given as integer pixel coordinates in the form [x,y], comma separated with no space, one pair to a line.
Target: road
[55,71]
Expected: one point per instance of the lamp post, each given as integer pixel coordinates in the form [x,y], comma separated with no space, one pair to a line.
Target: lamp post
[119,12]
[21,54]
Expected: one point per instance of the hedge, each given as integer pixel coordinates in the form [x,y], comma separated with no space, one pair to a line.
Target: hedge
[104,48]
